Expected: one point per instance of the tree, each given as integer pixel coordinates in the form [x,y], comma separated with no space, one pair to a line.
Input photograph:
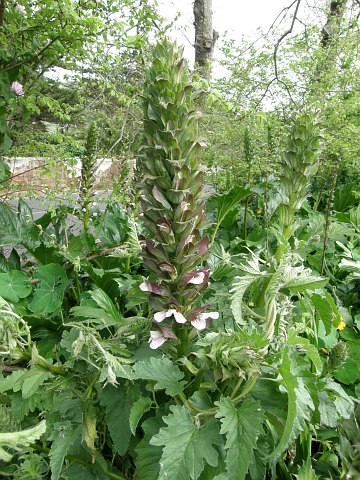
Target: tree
[78,36]
[205,36]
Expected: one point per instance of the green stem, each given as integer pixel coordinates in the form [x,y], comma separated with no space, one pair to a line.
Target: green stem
[42,363]
[127,265]
[250,384]
[237,386]
[195,408]
[278,254]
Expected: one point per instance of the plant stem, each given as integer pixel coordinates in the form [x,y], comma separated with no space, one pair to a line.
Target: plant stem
[42,363]
[237,386]
[247,388]
[192,406]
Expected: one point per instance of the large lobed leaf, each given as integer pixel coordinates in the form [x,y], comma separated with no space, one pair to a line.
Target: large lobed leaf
[14,285]
[242,427]
[49,294]
[161,370]
[187,447]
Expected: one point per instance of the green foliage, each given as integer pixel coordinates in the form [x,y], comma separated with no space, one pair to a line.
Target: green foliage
[118,408]
[63,438]
[186,446]
[161,370]
[262,387]
[49,294]
[14,285]
[20,440]
[242,427]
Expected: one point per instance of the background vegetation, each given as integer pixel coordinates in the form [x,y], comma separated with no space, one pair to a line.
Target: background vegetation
[219,278]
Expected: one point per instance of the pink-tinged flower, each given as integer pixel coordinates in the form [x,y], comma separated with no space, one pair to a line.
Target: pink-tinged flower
[21,8]
[160,316]
[197,277]
[200,322]
[17,88]
[153,287]
[158,338]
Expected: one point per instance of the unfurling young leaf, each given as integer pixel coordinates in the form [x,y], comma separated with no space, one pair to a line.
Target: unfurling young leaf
[20,440]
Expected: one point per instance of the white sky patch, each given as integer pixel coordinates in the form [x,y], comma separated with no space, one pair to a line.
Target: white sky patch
[238,18]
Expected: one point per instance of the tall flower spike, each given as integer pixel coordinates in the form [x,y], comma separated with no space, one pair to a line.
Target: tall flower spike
[299,163]
[172,188]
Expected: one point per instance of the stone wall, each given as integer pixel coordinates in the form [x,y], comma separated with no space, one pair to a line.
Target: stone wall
[38,172]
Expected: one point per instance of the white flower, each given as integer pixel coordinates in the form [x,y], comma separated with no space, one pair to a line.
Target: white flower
[160,316]
[200,321]
[144,287]
[179,317]
[198,278]
[156,339]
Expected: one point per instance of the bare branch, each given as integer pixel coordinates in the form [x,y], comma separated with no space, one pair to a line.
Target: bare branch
[285,34]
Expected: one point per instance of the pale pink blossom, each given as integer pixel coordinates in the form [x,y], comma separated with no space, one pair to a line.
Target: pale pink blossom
[160,316]
[200,322]
[158,338]
[198,278]
[17,88]
[21,8]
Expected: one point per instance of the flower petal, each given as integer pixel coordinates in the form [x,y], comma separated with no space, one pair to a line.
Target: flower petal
[156,339]
[199,323]
[160,316]
[197,279]
[179,317]
[144,287]
[17,88]
[212,315]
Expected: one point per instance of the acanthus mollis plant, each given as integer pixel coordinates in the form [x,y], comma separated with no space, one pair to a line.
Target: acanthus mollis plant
[173,199]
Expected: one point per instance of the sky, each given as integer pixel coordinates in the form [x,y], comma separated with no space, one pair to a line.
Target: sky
[236,17]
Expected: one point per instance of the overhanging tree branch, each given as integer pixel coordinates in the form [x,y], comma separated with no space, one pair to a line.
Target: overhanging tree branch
[285,34]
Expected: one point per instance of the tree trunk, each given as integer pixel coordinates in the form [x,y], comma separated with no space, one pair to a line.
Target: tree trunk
[2,12]
[205,36]
[333,22]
